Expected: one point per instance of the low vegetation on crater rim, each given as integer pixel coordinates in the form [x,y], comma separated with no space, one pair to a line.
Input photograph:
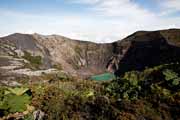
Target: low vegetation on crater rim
[151,94]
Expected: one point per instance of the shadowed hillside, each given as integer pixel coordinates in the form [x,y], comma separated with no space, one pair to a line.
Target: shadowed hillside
[147,49]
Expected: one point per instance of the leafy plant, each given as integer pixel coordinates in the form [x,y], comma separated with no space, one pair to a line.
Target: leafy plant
[132,76]
[159,90]
[169,74]
[13,100]
[172,77]
[124,89]
[17,103]
[17,91]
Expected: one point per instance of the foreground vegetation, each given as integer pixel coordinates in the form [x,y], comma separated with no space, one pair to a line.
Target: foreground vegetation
[152,94]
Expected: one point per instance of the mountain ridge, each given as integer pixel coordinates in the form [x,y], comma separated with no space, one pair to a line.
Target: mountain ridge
[134,33]
[84,58]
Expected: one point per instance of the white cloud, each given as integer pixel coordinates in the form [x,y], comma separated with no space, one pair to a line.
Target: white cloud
[84,1]
[169,6]
[172,4]
[128,16]
[107,20]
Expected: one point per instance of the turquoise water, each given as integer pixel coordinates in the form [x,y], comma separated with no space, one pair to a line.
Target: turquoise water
[103,77]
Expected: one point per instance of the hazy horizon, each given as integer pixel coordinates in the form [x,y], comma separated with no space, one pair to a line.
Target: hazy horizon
[92,20]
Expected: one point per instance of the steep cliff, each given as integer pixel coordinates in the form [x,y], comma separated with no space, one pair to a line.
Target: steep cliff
[147,49]
[79,58]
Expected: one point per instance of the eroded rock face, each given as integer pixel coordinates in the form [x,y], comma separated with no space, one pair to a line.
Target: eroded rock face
[79,58]
[16,44]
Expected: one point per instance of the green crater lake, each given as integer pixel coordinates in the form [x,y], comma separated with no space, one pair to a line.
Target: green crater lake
[103,77]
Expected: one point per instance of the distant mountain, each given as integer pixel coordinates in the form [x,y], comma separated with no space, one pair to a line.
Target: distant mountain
[79,58]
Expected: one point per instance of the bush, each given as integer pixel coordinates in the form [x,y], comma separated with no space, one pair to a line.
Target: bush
[157,87]
[148,94]
[171,76]
[124,89]
[35,61]
[13,100]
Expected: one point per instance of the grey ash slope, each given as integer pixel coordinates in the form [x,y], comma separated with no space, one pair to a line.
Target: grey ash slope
[78,58]
[137,51]
[24,42]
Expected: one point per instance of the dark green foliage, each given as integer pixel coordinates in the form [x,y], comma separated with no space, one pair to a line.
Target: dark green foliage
[16,103]
[150,94]
[157,86]
[10,102]
[124,89]
[172,77]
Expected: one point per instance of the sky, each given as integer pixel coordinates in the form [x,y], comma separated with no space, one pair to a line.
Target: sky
[93,20]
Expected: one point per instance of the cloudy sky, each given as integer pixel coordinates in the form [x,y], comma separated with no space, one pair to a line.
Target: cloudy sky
[93,20]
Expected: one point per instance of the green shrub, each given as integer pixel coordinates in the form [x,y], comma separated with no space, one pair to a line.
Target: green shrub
[17,103]
[136,83]
[163,92]
[35,61]
[124,89]
[171,76]
[13,100]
